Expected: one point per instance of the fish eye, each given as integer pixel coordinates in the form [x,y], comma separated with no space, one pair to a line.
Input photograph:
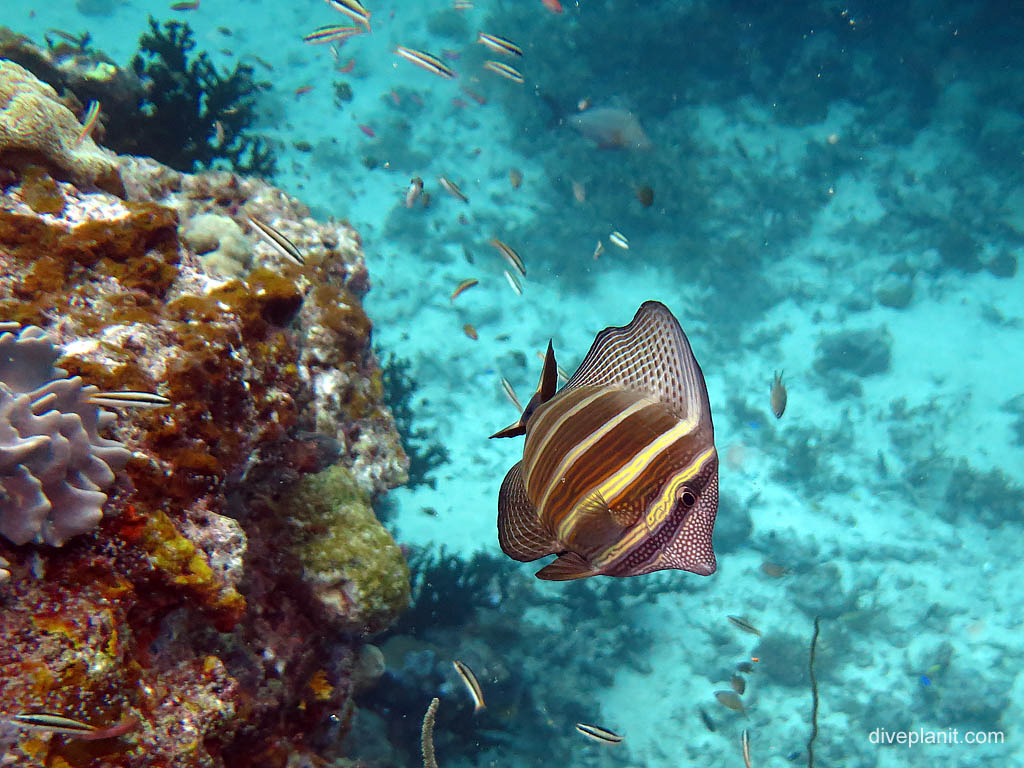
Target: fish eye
[688,498]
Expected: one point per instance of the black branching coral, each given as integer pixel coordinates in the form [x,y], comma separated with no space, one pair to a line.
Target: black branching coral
[185,100]
[424,455]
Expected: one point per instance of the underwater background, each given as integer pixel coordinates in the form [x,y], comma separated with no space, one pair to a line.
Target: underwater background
[830,191]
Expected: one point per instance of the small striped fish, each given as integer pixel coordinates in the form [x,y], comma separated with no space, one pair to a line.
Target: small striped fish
[619,475]
[599,734]
[68,726]
[500,68]
[277,240]
[128,399]
[499,44]
[471,683]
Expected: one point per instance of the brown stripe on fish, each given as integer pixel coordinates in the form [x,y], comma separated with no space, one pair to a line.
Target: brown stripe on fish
[569,433]
[614,442]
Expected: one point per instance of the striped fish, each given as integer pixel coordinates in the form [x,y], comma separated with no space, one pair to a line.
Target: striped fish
[619,475]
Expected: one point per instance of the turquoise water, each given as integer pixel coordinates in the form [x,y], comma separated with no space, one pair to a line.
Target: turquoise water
[837,195]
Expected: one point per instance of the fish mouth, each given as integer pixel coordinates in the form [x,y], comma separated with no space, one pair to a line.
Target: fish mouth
[704,567]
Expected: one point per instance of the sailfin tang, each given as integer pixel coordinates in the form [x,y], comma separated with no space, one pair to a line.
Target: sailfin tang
[545,391]
[567,567]
[521,534]
[650,355]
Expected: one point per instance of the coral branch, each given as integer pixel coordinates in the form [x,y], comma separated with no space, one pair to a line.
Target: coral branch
[814,696]
[427,735]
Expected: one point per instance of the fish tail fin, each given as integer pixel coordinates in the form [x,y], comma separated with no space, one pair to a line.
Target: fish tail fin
[545,391]
[521,534]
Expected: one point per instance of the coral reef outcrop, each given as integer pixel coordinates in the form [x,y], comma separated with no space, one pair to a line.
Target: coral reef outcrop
[189,607]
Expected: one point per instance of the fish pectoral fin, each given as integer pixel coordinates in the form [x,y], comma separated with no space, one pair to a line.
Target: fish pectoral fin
[521,534]
[567,567]
[594,526]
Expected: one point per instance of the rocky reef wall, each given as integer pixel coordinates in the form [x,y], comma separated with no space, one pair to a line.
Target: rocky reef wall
[223,598]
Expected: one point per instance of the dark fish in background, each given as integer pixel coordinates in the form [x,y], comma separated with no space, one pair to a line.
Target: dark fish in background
[778,395]
[773,570]
[611,128]
[738,684]
[706,719]
[645,195]
[619,475]
[730,699]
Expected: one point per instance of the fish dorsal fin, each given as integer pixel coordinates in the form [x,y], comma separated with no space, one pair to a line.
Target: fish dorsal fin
[521,534]
[593,525]
[651,355]
[545,391]
[567,567]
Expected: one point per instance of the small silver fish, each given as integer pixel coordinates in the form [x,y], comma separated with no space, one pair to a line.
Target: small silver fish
[778,395]
[278,241]
[619,239]
[452,189]
[745,625]
[413,192]
[500,68]
[510,393]
[354,10]
[509,255]
[471,683]
[128,399]
[513,283]
[426,61]
[599,734]
[730,699]
[745,741]
[499,44]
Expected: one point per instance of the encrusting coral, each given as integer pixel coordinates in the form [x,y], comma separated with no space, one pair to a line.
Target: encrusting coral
[36,128]
[54,466]
[349,560]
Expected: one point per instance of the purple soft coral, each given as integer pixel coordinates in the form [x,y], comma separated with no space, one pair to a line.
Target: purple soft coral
[54,466]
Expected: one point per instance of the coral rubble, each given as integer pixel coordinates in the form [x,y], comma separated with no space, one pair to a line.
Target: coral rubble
[175,610]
